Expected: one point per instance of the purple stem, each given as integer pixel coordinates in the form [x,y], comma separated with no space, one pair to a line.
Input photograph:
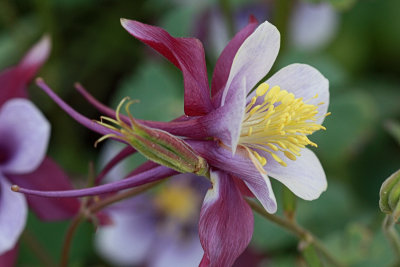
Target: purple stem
[74,114]
[109,112]
[145,177]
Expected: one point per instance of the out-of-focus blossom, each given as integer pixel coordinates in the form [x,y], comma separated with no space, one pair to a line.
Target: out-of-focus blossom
[211,27]
[157,229]
[24,136]
[312,25]
[244,135]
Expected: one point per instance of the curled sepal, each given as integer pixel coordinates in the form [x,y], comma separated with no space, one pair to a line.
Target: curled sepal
[389,195]
[157,145]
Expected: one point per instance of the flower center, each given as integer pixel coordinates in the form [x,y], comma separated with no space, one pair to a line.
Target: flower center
[7,147]
[178,201]
[280,123]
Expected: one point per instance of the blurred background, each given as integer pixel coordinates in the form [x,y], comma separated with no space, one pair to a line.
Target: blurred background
[355,44]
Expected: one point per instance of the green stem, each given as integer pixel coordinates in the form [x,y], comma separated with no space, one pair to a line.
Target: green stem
[42,255]
[228,16]
[281,18]
[68,238]
[93,209]
[392,235]
[296,229]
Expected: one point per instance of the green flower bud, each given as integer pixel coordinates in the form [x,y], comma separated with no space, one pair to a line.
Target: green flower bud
[389,201]
[156,145]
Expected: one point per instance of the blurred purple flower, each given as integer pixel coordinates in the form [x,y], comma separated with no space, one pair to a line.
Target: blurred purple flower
[211,27]
[157,229]
[243,134]
[24,138]
[312,25]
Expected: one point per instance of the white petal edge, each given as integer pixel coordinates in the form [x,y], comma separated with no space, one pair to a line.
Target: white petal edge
[126,242]
[254,58]
[305,176]
[31,131]
[267,200]
[13,214]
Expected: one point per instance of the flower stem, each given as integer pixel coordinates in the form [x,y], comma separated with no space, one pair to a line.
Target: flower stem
[68,238]
[392,235]
[281,17]
[226,8]
[92,209]
[37,248]
[296,229]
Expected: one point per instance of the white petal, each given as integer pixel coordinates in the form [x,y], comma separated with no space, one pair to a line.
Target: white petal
[255,57]
[128,241]
[27,132]
[304,81]
[13,212]
[178,251]
[305,176]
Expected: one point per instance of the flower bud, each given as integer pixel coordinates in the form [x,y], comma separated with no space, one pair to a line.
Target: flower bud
[389,201]
[157,145]
[167,149]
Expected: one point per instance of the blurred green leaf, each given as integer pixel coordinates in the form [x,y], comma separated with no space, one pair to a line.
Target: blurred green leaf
[49,237]
[179,21]
[311,256]
[331,211]
[342,4]
[159,90]
[351,124]
[359,246]
[393,128]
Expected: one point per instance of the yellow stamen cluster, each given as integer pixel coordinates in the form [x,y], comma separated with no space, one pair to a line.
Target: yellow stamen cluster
[280,123]
[178,201]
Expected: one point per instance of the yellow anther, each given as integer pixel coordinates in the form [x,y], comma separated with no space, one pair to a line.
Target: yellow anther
[272,92]
[262,89]
[262,160]
[278,159]
[288,98]
[253,100]
[289,155]
[273,147]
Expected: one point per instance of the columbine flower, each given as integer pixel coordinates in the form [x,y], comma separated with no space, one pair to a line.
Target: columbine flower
[245,136]
[256,134]
[24,138]
[156,229]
